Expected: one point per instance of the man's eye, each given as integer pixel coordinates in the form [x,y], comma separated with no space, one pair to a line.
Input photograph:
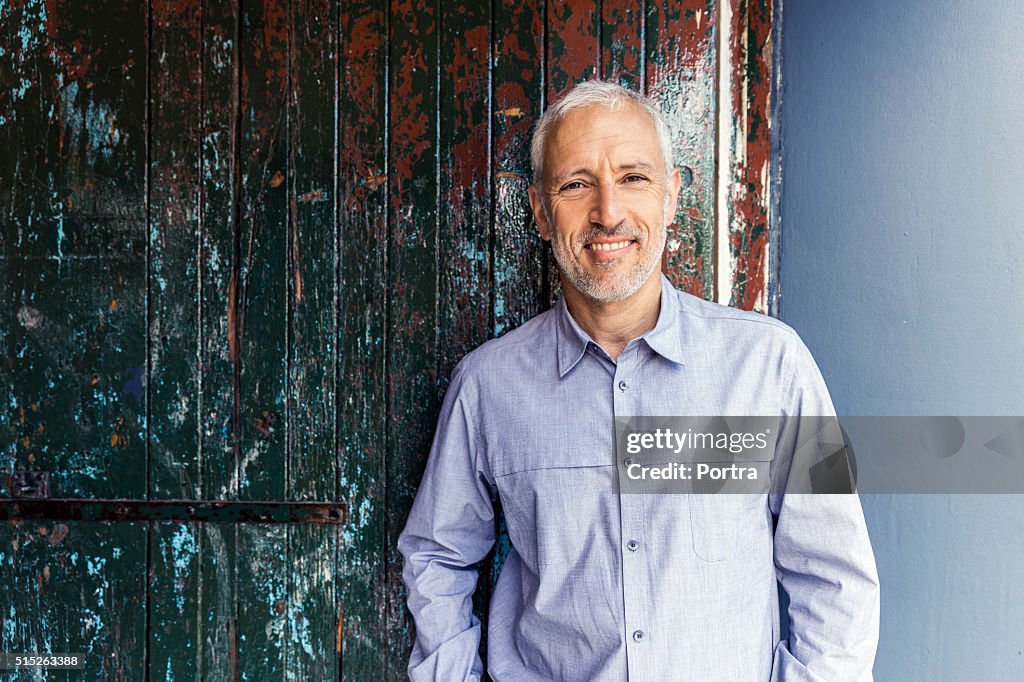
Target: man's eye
[569,186]
[635,178]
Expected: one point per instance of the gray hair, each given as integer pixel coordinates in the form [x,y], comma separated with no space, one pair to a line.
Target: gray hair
[591,93]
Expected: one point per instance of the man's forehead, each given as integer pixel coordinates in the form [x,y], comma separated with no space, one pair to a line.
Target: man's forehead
[628,132]
[601,115]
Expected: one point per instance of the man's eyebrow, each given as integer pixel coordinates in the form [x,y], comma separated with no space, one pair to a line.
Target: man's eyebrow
[579,171]
[637,165]
[632,165]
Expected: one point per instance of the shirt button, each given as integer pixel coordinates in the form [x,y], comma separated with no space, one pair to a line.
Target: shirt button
[623,385]
[633,545]
[627,462]
[638,636]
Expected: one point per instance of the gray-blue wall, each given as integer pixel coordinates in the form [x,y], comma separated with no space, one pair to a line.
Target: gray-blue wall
[901,267]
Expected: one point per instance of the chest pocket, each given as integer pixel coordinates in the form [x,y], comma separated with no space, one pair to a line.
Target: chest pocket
[561,507]
[725,526]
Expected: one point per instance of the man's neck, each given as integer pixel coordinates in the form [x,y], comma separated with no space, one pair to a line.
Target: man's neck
[613,325]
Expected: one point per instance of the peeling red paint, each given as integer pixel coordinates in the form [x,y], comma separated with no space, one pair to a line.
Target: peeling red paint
[750,58]
[574,51]
[682,79]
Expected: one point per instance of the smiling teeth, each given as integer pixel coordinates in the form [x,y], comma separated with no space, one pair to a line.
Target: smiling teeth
[608,247]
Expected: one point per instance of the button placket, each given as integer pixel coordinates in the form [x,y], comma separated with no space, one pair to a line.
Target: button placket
[636,610]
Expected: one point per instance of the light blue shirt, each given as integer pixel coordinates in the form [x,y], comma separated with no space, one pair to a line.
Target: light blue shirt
[600,585]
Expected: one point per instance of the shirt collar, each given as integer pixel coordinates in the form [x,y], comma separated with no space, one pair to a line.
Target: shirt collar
[665,339]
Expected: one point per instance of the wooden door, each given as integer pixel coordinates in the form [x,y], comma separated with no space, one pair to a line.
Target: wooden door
[244,243]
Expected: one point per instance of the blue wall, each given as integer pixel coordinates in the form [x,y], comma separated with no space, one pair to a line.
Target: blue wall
[901,267]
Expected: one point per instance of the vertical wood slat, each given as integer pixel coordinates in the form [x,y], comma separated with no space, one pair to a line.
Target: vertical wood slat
[681,77]
[749,149]
[464,183]
[221,169]
[176,376]
[412,284]
[173,587]
[263,580]
[73,138]
[362,640]
[312,603]
[517,73]
[313,237]
[310,651]
[261,304]
[174,322]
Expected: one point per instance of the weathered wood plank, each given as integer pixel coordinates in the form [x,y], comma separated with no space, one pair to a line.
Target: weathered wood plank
[362,401]
[30,132]
[313,238]
[73,153]
[519,255]
[219,597]
[749,145]
[174,323]
[9,428]
[464,227]
[174,585]
[219,361]
[263,576]
[412,287]
[681,77]
[76,587]
[622,43]
[310,648]
[262,307]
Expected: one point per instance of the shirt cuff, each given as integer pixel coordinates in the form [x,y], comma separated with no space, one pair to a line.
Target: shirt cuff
[787,668]
[457,660]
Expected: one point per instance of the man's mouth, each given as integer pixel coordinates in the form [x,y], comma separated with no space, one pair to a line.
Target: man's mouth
[609,246]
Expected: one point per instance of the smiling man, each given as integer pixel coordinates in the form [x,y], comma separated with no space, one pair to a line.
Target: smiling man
[600,584]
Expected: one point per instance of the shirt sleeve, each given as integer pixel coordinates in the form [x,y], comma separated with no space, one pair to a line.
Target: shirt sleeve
[449,531]
[823,556]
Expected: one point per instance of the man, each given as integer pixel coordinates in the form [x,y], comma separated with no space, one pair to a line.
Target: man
[598,584]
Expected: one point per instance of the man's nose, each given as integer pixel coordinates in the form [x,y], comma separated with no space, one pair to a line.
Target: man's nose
[607,210]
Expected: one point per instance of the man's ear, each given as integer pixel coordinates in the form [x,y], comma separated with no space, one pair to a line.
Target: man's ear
[539,214]
[675,182]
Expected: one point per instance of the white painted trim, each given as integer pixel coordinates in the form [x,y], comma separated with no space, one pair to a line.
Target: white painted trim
[723,161]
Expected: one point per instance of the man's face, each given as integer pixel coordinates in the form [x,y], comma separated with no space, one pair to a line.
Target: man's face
[604,202]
